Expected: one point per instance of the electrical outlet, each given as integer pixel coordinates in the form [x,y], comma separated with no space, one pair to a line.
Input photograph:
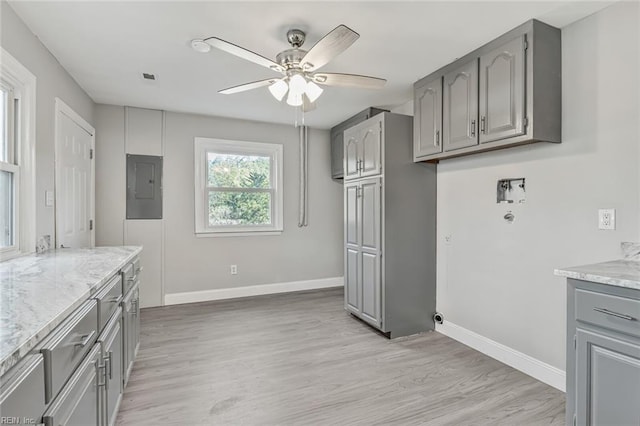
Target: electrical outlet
[234,269]
[607,219]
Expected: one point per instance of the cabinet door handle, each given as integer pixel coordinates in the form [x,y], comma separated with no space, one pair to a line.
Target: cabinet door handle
[615,314]
[86,339]
[483,124]
[109,361]
[437,137]
[473,127]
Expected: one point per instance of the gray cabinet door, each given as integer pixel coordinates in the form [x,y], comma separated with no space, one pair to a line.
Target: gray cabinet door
[370,246]
[502,91]
[77,402]
[427,122]
[461,107]
[351,155]
[111,341]
[352,281]
[352,219]
[371,148]
[608,380]
[337,152]
[371,303]
[370,193]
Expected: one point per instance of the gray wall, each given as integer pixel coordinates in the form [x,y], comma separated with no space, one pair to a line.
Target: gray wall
[195,264]
[496,279]
[52,81]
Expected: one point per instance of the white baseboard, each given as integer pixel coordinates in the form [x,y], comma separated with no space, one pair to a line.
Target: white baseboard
[252,290]
[533,367]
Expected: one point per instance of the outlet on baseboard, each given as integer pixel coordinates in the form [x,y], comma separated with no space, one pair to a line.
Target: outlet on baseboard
[233,269]
[607,219]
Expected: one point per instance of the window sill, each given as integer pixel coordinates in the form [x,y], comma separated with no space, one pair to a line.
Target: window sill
[236,234]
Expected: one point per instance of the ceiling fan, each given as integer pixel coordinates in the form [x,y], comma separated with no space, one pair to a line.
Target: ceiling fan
[301,80]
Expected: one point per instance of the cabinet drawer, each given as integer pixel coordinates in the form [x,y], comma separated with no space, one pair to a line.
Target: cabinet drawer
[64,349]
[77,403]
[108,299]
[22,390]
[613,312]
[130,274]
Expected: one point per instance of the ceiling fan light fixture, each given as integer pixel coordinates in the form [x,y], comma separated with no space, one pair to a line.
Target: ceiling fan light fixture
[294,99]
[279,89]
[297,85]
[313,91]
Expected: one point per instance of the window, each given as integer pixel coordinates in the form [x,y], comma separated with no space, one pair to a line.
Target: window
[238,187]
[17,158]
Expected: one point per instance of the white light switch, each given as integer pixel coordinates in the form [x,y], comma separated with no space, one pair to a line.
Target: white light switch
[48,198]
[607,219]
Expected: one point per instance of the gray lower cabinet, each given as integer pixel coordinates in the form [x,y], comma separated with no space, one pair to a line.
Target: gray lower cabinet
[389,229]
[22,392]
[337,139]
[603,355]
[363,249]
[76,375]
[503,94]
[111,342]
[77,402]
[131,331]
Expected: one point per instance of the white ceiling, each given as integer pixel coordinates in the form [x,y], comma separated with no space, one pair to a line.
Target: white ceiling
[106,46]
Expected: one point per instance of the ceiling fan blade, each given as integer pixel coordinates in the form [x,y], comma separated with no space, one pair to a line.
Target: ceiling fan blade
[330,46]
[247,86]
[348,80]
[243,53]
[307,105]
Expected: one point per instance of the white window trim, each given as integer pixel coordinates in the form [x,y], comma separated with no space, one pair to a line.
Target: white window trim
[204,145]
[15,74]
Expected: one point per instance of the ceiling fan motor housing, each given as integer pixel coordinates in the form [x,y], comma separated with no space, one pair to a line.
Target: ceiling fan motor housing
[291,58]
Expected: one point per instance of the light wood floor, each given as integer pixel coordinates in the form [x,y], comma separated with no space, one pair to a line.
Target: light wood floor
[300,359]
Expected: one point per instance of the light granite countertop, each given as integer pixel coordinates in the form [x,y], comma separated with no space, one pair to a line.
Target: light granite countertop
[620,273]
[37,292]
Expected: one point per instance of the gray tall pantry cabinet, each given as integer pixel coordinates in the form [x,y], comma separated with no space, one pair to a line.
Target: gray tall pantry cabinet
[390,227]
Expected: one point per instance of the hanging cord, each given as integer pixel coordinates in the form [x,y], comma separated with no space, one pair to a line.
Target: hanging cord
[304,177]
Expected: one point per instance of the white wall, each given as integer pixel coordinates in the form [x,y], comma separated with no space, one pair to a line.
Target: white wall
[52,81]
[200,264]
[496,279]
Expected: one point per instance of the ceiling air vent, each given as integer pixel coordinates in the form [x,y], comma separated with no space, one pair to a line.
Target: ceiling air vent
[148,76]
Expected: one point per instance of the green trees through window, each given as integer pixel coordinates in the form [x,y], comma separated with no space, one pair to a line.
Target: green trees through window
[240,189]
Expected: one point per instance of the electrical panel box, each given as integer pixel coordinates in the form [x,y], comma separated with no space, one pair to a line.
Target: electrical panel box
[144,187]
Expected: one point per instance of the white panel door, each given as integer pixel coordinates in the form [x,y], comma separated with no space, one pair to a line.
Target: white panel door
[351,156]
[74,183]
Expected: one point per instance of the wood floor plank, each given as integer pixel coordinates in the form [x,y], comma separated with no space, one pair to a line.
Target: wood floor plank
[300,359]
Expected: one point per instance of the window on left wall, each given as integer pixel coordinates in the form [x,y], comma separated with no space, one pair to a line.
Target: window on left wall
[17,158]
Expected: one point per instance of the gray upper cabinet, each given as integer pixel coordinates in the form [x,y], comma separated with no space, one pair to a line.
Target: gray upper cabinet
[427,126]
[337,139]
[503,94]
[461,107]
[502,90]
[363,149]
